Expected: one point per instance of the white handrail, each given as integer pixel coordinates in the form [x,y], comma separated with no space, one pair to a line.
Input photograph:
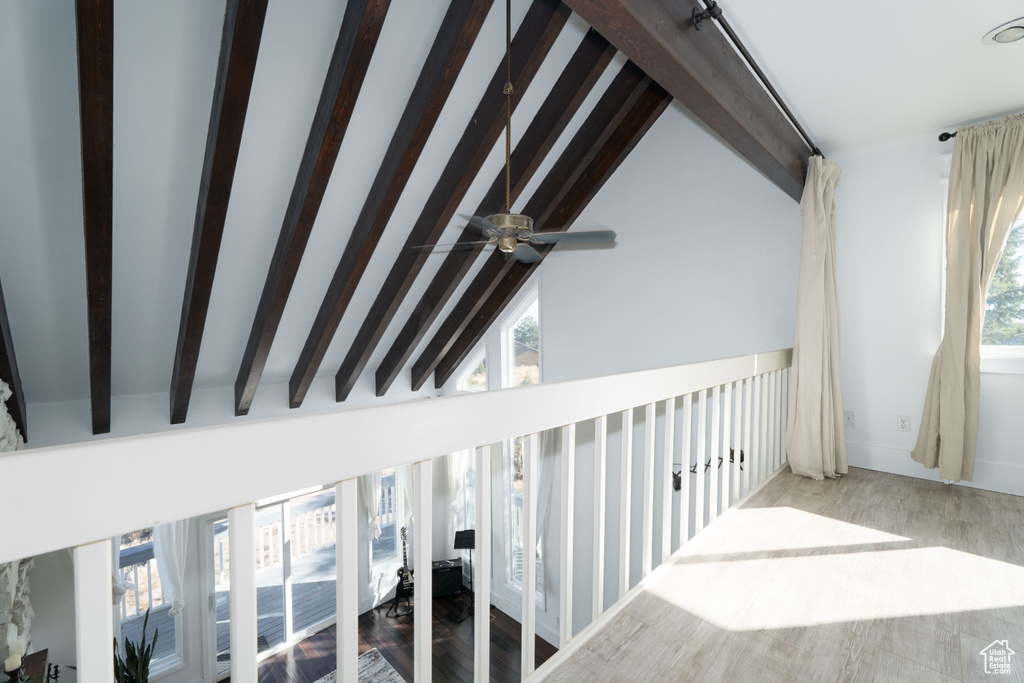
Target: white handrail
[230,465]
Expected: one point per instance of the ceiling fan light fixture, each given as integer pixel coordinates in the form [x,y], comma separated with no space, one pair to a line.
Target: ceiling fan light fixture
[1010,32]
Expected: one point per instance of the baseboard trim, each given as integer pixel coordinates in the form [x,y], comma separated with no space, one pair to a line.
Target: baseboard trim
[990,476]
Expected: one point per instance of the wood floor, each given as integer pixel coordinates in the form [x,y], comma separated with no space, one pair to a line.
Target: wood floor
[872,577]
[316,656]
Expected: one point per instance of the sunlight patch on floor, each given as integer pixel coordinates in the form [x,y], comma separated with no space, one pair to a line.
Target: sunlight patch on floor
[798,569]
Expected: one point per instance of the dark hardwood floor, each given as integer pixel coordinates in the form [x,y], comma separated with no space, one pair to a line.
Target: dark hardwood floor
[316,656]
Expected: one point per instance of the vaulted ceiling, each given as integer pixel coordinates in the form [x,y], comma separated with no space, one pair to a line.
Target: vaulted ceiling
[252,176]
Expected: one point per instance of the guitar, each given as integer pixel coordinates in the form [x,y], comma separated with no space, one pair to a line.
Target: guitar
[404,589]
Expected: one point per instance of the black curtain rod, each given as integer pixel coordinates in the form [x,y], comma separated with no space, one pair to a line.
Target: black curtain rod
[713,11]
[943,137]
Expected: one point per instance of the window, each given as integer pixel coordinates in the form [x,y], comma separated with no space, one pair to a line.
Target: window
[141,576]
[474,377]
[521,343]
[1004,308]
[524,346]
[385,548]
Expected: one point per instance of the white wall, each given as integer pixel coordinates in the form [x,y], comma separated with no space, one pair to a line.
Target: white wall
[890,258]
[705,266]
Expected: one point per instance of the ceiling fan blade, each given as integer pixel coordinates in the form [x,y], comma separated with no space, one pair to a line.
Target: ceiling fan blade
[478,222]
[451,244]
[566,237]
[527,254]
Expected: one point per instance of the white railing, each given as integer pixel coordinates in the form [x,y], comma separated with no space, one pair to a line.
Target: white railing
[139,571]
[746,396]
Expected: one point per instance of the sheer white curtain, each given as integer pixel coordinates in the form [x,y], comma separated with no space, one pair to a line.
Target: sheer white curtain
[458,465]
[816,435]
[986,192]
[369,496]
[170,545]
[403,490]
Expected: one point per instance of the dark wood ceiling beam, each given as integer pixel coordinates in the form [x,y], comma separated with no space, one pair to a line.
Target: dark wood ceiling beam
[9,372]
[704,72]
[629,133]
[360,29]
[572,87]
[95,30]
[534,38]
[627,87]
[239,47]
[447,55]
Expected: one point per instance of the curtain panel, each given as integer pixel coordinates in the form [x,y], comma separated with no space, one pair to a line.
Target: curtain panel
[170,546]
[816,434]
[986,192]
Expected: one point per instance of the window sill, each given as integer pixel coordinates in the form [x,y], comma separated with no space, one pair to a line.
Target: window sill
[1006,360]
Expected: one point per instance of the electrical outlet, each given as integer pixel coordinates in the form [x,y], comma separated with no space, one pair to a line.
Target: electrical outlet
[851,418]
[903,423]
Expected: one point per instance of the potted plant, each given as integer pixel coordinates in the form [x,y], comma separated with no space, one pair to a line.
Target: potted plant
[134,668]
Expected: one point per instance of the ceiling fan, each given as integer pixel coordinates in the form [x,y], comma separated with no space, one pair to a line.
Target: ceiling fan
[513,232]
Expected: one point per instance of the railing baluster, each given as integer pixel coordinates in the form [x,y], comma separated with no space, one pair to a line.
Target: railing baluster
[530,466]
[346,498]
[779,400]
[748,401]
[737,430]
[647,529]
[625,499]
[600,499]
[482,583]
[568,502]
[149,582]
[259,557]
[726,445]
[702,454]
[716,428]
[138,593]
[772,453]
[785,414]
[423,588]
[242,546]
[669,459]
[756,445]
[687,459]
[94,620]
[286,573]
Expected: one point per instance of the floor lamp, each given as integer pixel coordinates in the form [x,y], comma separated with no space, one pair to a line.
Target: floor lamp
[466,540]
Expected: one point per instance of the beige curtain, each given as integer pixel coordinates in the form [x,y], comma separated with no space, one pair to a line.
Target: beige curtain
[986,191]
[816,436]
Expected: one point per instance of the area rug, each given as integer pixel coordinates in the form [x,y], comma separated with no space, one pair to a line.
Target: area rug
[373,668]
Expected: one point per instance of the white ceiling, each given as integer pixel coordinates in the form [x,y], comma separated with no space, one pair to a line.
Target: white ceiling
[857,73]
[853,73]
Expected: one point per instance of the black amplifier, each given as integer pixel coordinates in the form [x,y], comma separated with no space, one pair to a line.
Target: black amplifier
[447,577]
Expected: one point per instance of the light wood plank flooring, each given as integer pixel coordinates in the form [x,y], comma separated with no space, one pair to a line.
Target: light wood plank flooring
[871,577]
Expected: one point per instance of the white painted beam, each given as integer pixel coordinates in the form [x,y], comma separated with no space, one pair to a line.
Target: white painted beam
[600,502]
[716,451]
[482,571]
[687,459]
[94,618]
[242,549]
[241,459]
[668,453]
[531,461]
[647,530]
[346,496]
[625,500]
[567,503]
[702,455]
[423,587]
